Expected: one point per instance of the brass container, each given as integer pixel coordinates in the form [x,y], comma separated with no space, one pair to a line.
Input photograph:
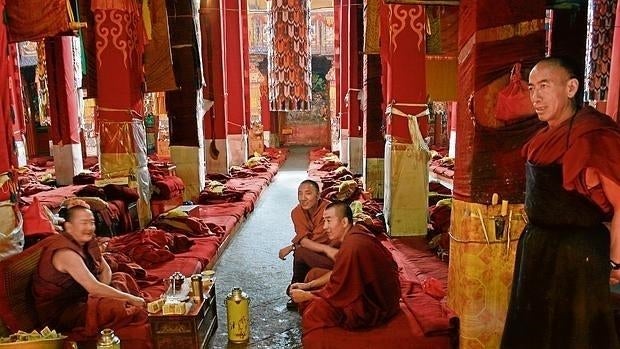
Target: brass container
[197,287]
[108,340]
[238,316]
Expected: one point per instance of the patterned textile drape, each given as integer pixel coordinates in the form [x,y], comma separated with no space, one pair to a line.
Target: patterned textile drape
[119,48]
[601,16]
[289,55]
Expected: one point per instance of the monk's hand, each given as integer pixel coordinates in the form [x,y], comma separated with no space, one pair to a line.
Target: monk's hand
[300,296]
[300,286]
[285,251]
[137,301]
[614,277]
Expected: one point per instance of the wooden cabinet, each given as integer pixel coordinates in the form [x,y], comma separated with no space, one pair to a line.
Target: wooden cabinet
[190,331]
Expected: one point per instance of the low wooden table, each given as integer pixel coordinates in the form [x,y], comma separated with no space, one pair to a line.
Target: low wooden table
[190,331]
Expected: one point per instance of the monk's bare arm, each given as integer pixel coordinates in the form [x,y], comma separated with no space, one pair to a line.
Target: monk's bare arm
[67,261]
[314,284]
[300,296]
[106,272]
[612,193]
[319,248]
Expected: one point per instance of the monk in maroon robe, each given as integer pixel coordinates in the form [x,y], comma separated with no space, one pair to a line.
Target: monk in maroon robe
[362,290]
[71,283]
[560,292]
[311,245]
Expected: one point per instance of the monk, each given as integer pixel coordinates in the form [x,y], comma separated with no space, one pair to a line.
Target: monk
[71,283]
[362,290]
[311,245]
[560,291]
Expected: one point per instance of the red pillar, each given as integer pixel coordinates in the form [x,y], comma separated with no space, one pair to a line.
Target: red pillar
[17,107]
[7,156]
[403,49]
[120,108]
[245,55]
[488,161]
[355,86]
[337,45]
[211,22]
[265,113]
[234,83]
[344,79]
[65,128]
[613,101]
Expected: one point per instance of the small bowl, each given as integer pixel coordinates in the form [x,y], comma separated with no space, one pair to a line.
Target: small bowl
[55,343]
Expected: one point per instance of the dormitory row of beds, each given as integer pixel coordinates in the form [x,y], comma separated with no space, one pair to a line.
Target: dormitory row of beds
[175,242]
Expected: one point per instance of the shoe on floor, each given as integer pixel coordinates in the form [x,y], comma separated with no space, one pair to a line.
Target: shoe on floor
[290,305]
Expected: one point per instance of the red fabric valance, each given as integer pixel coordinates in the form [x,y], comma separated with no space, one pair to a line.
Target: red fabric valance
[32,20]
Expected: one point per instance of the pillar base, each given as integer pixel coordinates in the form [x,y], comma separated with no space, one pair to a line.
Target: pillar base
[480,273]
[373,177]
[356,154]
[219,164]
[237,149]
[344,145]
[22,158]
[67,162]
[405,190]
[267,138]
[190,162]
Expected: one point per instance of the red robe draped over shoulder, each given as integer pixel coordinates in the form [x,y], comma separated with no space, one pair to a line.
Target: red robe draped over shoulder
[310,224]
[592,141]
[63,304]
[363,290]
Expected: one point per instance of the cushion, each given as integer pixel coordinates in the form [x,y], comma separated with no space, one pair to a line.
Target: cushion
[16,299]
[36,221]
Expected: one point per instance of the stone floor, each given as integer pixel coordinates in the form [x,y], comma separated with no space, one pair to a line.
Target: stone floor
[251,262]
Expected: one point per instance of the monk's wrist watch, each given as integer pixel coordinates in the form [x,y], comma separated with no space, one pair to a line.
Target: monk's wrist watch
[614,265]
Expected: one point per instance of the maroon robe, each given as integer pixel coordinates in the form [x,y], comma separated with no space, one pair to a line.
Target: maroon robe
[590,140]
[363,290]
[63,304]
[310,224]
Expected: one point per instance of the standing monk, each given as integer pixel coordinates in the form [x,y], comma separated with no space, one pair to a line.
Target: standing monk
[362,290]
[560,292]
[311,245]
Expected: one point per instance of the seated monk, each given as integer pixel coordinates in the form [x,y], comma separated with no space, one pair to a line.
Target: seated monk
[361,291]
[71,283]
[312,246]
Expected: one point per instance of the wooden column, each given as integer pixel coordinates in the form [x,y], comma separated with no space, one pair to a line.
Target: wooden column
[7,156]
[120,109]
[488,161]
[356,153]
[403,51]
[236,128]
[344,79]
[63,108]
[214,73]
[184,105]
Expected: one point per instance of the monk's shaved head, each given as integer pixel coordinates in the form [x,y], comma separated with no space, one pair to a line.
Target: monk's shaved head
[570,69]
[341,210]
[311,183]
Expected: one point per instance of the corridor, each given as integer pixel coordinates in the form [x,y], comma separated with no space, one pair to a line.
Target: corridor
[251,262]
